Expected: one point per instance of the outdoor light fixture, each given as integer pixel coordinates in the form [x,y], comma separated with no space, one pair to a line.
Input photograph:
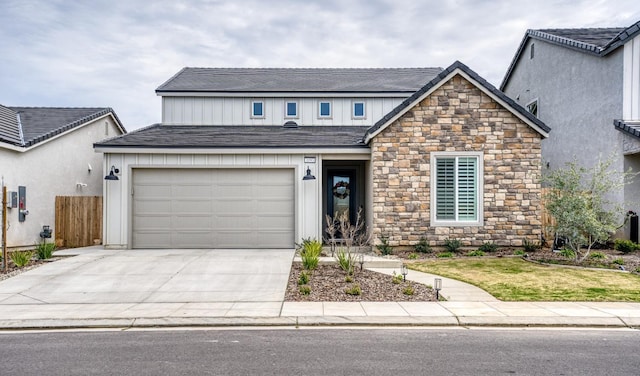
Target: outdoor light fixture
[112,174]
[361,260]
[405,271]
[437,285]
[308,176]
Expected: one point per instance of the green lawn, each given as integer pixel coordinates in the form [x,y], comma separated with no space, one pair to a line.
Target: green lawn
[513,279]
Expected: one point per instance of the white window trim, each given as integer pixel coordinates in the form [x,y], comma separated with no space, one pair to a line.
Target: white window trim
[287,116]
[253,115]
[320,116]
[537,102]
[353,110]
[480,191]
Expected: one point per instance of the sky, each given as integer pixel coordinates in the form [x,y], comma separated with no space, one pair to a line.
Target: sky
[112,53]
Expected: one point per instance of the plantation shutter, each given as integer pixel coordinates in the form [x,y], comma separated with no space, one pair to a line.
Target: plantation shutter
[467,189]
[457,189]
[445,189]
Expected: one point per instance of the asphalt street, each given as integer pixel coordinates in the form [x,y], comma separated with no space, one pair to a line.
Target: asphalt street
[399,351]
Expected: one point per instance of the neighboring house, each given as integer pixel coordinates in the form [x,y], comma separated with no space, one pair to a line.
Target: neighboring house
[585,85]
[48,151]
[259,157]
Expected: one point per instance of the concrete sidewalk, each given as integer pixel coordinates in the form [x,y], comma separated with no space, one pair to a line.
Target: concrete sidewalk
[188,306]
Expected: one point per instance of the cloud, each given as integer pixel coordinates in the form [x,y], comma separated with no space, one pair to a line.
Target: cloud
[115,53]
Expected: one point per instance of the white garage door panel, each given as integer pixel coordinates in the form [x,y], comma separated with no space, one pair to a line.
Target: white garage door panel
[213,208]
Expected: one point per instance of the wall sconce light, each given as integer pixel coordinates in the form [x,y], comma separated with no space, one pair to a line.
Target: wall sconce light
[112,174]
[437,285]
[308,176]
[404,272]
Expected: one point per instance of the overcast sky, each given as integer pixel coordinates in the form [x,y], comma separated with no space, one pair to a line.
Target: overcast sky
[111,53]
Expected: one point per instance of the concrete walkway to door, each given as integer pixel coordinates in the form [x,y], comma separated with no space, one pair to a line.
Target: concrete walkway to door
[124,282]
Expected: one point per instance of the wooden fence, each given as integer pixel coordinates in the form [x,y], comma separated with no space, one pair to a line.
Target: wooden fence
[78,221]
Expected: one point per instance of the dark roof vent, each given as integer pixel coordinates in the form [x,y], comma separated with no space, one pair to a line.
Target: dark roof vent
[290,124]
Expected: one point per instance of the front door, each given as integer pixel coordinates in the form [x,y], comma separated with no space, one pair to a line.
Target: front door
[341,194]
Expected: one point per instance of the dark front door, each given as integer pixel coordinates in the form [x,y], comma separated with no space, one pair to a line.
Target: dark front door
[341,194]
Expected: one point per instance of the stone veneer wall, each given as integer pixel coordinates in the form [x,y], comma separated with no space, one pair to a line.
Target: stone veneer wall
[457,117]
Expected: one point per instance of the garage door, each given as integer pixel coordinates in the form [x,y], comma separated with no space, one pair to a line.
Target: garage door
[213,208]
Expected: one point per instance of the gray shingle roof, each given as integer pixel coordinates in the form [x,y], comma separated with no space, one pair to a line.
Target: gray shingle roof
[631,128]
[198,136]
[595,41]
[457,65]
[37,124]
[352,80]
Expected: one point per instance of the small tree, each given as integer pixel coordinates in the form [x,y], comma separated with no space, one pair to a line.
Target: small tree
[578,201]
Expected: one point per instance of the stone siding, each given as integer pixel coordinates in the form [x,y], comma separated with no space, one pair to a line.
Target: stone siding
[457,117]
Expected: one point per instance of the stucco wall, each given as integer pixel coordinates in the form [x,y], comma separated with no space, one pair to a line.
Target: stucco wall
[53,168]
[579,95]
[457,117]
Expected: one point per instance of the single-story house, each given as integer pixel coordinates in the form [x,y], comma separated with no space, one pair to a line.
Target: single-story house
[47,152]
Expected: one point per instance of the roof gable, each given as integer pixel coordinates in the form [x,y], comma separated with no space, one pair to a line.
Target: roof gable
[38,124]
[323,80]
[594,41]
[475,79]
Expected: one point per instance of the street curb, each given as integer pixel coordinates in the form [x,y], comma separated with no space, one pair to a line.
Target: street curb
[318,322]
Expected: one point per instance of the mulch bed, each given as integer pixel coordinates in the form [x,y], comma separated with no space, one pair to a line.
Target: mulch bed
[327,284]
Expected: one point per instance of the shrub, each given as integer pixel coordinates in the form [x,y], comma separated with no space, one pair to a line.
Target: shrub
[346,260]
[21,258]
[618,261]
[354,290]
[384,246]
[409,290]
[305,290]
[476,253]
[597,255]
[310,253]
[568,253]
[444,254]
[488,247]
[519,252]
[530,246]
[348,279]
[413,256]
[423,246]
[452,245]
[625,246]
[303,279]
[45,250]
[396,279]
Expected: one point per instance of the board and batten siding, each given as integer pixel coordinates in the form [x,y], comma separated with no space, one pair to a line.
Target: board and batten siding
[118,193]
[237,110]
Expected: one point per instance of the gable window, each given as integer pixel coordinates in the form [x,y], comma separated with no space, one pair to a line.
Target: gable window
[324,109]
[291,109]
[532,50]
[532,107]
[358,110]
[257,109]
[456,189]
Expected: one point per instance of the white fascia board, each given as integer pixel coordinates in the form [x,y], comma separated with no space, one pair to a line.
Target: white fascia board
[288,94]
[120,150]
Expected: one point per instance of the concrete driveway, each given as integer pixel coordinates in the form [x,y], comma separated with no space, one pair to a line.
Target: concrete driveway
[229,282]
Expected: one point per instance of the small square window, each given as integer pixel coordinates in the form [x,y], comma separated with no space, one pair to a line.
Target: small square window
[324,109]
[358,110]
[291,109]
[257,109]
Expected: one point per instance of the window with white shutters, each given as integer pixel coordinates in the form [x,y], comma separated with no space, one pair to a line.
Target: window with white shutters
[456,189]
